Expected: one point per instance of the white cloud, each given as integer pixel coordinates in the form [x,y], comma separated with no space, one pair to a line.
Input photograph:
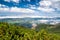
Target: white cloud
[15,9]
[19,16]
[23,10]
[45,3]
[31,6]
[46,9]
[1,5]
[4,9]
[44,6]
[17,1]
[26,16]
[7,0]
[49,5]
[55,3]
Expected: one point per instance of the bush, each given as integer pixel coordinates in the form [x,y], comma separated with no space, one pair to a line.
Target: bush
[12,32]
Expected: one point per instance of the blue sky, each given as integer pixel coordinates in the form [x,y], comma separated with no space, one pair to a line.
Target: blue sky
[31,8]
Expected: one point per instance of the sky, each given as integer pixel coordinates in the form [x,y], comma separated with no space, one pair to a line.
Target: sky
[29,8]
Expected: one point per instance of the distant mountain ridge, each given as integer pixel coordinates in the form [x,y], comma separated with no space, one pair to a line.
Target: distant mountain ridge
[32,20]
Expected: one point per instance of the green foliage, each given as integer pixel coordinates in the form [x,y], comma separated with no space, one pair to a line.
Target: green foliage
[12,32]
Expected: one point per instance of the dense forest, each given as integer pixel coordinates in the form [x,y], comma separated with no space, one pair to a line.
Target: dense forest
[13,32]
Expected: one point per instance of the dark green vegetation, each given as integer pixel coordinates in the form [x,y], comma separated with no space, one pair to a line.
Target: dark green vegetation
[12,32]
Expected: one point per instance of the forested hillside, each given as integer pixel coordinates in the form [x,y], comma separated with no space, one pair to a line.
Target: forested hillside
[13,32]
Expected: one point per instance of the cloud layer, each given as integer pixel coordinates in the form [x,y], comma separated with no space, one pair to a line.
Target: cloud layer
[50,4]
[43,7]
